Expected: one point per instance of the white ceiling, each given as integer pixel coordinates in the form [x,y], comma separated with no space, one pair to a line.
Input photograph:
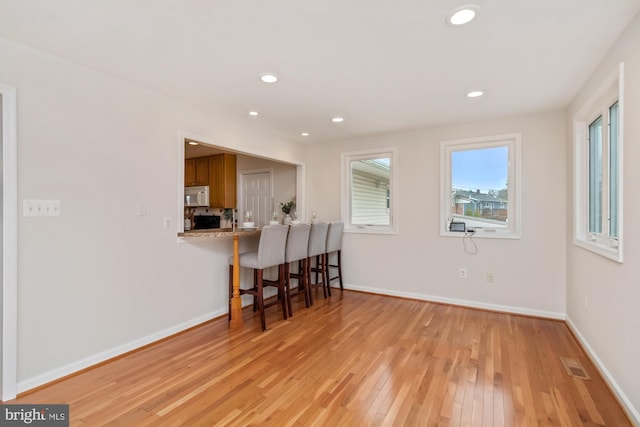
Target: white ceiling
[383,65]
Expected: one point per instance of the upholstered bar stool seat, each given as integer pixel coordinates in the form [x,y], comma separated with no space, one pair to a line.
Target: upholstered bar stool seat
[270,253]
[316,250]
[334,245]
[297,247]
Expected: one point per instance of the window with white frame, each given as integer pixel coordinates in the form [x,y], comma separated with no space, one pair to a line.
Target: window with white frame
[480,185]
[598,170]
[368,196]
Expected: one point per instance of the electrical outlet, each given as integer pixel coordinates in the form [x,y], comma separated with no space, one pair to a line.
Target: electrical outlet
[463,273]
[141,209]
[167,222]
[490,277]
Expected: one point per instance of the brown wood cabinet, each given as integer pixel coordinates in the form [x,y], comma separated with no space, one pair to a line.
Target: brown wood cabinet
[222,181]
[196,171]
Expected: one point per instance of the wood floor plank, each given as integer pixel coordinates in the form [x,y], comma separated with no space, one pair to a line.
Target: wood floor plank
[354,359]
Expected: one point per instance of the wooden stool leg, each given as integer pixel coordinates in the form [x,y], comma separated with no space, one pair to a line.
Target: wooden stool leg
[340,269]
[325,285]
[325,271]
[260,299]
[305,284]
[255,287]
[286,300]
[230,289]
[307,276]
[287,285]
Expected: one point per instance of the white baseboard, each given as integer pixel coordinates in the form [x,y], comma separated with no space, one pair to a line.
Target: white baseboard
[71,368]
[464,303]
[631,411]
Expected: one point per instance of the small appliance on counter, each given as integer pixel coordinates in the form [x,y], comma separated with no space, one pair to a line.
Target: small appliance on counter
[202,222]
[196,196]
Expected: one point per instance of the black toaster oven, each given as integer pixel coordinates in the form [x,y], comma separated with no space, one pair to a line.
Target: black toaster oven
[201,222]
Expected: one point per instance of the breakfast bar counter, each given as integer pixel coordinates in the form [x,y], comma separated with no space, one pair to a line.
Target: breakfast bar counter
[235,233]
[220,232]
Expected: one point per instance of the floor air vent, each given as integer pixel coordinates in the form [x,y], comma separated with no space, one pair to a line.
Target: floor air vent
[574,368]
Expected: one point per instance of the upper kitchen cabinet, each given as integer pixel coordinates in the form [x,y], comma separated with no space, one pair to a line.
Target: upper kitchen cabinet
[196,171]
[222,181]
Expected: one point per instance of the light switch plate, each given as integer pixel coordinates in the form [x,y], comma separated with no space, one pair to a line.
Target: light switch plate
[33,208]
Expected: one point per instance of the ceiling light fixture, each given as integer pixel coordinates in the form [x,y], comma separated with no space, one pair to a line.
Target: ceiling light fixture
[253,113]
[268,77]
[475,93]
[337,119]
[463,15]
[193,143]
[305,134]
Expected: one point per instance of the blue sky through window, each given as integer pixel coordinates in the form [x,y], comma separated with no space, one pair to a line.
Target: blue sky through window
[484,169]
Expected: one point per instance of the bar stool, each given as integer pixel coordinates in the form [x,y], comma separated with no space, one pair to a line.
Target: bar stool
[317,250]
[270,253]
[297,246]
[334,244]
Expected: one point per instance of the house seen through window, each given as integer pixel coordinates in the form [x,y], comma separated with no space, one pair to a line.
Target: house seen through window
[480,185]
[368,196]
[370,179]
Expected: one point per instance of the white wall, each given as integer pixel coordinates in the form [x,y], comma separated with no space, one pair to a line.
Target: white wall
[99,280]
[611,324]
[418,262]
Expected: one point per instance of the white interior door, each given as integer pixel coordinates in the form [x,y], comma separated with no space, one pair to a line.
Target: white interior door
[256,195]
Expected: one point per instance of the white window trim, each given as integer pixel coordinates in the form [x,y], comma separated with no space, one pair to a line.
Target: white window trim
[606,247]
[513,141]
[345,178]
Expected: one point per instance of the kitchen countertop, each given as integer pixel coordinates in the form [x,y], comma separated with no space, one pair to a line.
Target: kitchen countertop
[220,232]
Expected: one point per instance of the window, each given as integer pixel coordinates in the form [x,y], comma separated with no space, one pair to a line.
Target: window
[480,185]
[598,179]
[603,174]
[368,202]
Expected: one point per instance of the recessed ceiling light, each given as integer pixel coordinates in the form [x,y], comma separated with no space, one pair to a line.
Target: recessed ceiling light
[337,119]
[268,77]
[253,113]
[193,143]
[462,15]
[475,93]
[305,134]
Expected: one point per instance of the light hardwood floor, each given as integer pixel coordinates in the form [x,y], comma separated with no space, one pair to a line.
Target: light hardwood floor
[353,359]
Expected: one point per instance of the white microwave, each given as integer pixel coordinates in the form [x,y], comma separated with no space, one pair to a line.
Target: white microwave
[196,196]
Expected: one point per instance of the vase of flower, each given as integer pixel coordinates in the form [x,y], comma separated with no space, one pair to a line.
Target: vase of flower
[286,209]
[227,218]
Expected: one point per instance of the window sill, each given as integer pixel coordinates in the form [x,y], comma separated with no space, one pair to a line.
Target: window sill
[370,230]
[481,234]
[607,251]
